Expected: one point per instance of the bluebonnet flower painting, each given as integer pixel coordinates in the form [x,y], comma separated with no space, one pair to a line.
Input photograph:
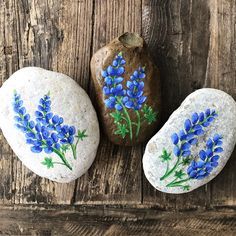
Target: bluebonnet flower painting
[48,133]
[128,99]
[196,167]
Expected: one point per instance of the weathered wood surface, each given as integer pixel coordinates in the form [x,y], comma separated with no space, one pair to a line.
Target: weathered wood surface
[193,43]
[109,221]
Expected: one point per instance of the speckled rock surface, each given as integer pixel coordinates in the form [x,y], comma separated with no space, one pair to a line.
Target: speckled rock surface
[49,122]
[194,144]
[127,86]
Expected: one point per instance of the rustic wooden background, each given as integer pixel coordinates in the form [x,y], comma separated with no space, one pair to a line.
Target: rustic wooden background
[194,44]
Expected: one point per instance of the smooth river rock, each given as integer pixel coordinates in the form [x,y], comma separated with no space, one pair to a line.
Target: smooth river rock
[50,123]
[194,144]
[127,86]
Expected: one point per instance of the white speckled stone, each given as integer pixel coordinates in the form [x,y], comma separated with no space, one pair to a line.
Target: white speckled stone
[69,101]
[224,124]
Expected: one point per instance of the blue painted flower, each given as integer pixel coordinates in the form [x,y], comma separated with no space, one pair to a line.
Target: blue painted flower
[135,85]
[193,128]
[208,159]
[48,133]
[112,86]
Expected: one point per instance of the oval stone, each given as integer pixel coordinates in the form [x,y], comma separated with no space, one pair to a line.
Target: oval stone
[50,123]
[127,85]
[194,144]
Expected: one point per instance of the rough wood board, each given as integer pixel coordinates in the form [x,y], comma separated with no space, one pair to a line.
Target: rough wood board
[193,42]
[115,176]
[46,34]
[195,47]
[86,220]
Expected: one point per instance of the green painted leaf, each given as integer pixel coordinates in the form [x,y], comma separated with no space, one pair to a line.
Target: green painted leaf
[186,187]
[122,130]
[48,162]
[165,156]
[179,174]
[149,114]
[117,115]
[81,135]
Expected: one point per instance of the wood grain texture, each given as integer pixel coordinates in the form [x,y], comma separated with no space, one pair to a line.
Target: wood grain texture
[46,34]
[108,221]
[115,177]
[194,45]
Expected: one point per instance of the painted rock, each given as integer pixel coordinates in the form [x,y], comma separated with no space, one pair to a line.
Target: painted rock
[127,86]
[49,122]
[194,144]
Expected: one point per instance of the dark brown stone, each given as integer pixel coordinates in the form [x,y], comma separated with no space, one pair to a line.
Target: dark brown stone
[133,50]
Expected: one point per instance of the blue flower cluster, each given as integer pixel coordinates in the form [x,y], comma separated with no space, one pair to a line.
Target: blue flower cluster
[113,87]
[132,98]
[192,129]
[48,133]
[208,159]
[135,85]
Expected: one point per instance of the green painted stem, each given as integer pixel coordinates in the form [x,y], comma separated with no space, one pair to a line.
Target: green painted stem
[73,148]
[138,124]
[62,158]
[175,183]
[171,170]
[128,119]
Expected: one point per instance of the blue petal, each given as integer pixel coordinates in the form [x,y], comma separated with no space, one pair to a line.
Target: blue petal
[215,158]
[54,137]
[208,112]
[129,104]
[214,164]
[199,132]
[185,146]
[120,70]
[177,151]
[186,153]
[182,135]
[108,80]
[36,149]
[38,114]
[118,80]
[218,149]
[55,119]
[209,143]
[118,107]
[200,164]
[201,116]
[70,139]
[104,73]
[174,138]
[187,125]
[71,130]
[194,118]
[22,111]
[31,124]
[202,155]
[193,174]
[193,141]
[142,99]
[209,153]
[210,119]
[216,137]
[115,63]
[38,127]
[48,150]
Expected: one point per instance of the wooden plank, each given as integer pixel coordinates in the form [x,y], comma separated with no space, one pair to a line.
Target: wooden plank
[115,176]
[48,34]
[191,56]
[222,74]
[86,220]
